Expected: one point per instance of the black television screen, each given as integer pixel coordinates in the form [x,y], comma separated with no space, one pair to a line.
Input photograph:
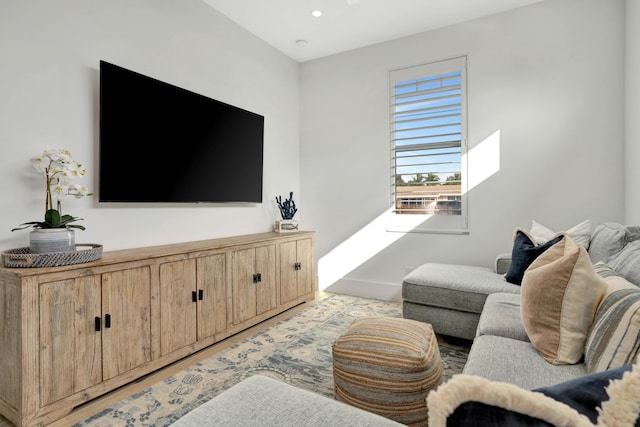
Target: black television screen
[162,143]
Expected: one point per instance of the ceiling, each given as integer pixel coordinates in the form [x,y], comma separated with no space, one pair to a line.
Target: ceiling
[289,26]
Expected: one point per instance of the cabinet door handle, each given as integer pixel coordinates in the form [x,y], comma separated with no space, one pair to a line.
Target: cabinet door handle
[259,277]
[256,278]
[194,296]
[107,321]
[201,294]
[98,323]
[297,266]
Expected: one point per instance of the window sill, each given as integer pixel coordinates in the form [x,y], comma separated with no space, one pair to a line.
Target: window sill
[458,231]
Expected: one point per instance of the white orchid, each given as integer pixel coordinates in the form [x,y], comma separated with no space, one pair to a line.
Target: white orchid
[59,169]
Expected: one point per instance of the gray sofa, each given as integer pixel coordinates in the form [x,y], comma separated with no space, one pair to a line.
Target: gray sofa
[478,303]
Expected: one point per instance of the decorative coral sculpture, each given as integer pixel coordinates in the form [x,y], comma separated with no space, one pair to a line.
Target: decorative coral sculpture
[288,207]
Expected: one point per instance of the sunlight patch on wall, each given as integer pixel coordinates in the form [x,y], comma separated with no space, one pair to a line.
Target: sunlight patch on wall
[355,251]
[484,160]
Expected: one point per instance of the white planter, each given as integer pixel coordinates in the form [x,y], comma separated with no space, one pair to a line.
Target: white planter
[46,240]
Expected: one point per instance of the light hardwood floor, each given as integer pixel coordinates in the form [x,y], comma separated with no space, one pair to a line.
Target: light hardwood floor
[90,408]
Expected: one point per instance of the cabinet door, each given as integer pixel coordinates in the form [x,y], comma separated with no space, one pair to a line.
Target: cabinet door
[243,285]
[177,305]
[288,273]
[296,270]
[266,298]
[304,249]
[212,295]
[126,325]
[253,282]
[70,346]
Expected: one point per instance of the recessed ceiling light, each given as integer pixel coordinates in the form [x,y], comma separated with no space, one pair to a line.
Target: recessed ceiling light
[317,13]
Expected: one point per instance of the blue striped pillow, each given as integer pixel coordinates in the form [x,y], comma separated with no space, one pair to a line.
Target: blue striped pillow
[614,339]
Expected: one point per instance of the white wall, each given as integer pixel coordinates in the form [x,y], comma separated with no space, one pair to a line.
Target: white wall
[632,112]
[49,75]
[546,78]
[534,74]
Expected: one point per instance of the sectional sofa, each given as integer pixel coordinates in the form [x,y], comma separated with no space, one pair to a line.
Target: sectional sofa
[490,305]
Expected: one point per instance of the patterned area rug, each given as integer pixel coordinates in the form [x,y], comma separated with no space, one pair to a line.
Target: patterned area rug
[296,350]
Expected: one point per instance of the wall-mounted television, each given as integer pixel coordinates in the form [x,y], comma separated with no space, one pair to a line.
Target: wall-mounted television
[165,144]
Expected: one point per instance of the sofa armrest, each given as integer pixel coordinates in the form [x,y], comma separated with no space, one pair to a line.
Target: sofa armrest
[502,263]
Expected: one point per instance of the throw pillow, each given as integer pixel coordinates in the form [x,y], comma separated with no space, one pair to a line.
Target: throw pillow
[627,262]
[604,270]
[586,393]
[559,296]
[610,238]
[608,398]
[580,233]
[524,252]
[614,339]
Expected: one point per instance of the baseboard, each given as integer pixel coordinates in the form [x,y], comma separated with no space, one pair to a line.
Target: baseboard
[367,289]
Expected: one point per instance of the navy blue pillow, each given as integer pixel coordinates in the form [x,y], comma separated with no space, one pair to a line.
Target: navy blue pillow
[584,394]
[476,414]
[524,252]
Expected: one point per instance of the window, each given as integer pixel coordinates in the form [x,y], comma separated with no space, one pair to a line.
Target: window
[428,147]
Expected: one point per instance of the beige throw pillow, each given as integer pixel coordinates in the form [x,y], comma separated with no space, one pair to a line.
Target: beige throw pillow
[559,296]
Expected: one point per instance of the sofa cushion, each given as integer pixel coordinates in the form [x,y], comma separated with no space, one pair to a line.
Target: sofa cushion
[614,339]
[559,296]
[609,398]
[517,362]
[501,317]
[524,252]
[460,287]
[580,233]
[609,238]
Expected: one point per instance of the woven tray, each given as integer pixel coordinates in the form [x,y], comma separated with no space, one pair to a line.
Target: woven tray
[23,258]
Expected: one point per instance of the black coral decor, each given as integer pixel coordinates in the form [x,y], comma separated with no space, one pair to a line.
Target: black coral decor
[288,207]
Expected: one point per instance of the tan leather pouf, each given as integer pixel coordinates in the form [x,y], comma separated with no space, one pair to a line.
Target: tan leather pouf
[387,366]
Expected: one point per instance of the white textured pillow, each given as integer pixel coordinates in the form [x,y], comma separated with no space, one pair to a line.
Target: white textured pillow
[580,233]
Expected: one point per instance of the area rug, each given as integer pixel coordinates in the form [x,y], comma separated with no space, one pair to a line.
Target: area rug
[296,350]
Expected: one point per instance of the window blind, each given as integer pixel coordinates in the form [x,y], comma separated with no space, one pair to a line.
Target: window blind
[427,108]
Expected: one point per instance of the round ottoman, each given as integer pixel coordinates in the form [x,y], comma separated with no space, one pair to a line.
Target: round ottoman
[387,366]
